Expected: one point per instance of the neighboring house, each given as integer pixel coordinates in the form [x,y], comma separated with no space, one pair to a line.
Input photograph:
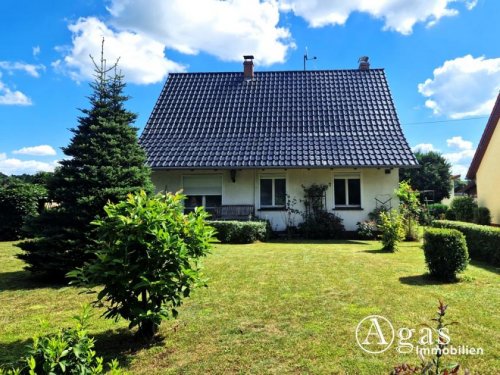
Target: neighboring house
[484,169]
[239,143]
[448,200]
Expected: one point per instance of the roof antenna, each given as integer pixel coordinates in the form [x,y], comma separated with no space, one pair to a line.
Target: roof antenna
[307,58]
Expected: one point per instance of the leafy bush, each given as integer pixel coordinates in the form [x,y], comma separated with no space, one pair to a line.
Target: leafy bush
[70,351]
[367,229]
[241,231]
[19,202]
[445,252]
[322,225]
[409,207]
[392,227]
[483,242]
[375,214]
[463,208]
[147,258]
[437,210]
[482,216]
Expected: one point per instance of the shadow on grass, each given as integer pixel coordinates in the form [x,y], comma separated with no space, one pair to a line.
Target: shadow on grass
[424,280]
[11,352]
[24,280]
[316,242]
[122,344]
[377,251]
[485,266]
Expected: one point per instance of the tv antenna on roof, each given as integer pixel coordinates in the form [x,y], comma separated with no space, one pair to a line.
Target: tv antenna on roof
[307,58]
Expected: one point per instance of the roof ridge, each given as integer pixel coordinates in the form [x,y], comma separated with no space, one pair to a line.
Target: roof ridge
[281,71]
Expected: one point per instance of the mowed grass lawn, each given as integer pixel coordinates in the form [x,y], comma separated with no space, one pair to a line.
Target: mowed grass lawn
[274,308]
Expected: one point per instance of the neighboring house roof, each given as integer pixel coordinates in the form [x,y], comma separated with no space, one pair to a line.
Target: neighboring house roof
[282,119]
[485,140]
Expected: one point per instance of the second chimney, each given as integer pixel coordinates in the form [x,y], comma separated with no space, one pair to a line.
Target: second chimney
[363,63]
[248,67]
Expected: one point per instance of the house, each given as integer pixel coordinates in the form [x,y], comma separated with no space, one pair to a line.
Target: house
[484,166]
[239,143]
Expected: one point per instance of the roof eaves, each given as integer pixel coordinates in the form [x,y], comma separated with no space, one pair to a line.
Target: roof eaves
[485,140]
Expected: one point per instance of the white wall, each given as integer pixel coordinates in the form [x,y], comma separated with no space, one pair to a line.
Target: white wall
[375,183]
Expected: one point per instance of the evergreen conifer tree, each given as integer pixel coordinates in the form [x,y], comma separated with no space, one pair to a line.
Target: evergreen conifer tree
[104,163]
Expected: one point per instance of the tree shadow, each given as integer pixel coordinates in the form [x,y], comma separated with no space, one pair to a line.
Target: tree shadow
[424,280]
[485,266]
[306,241]
[11,352]
[378,251]
[25,280]
[122,344]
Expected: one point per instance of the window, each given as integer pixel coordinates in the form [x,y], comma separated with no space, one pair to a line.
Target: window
[202,190]
[347,190]
[272,191]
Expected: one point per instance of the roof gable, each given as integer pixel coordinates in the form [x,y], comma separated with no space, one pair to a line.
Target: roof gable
[485,139]
[286,119]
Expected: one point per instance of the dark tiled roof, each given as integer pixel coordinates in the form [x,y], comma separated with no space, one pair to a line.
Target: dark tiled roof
[293,119]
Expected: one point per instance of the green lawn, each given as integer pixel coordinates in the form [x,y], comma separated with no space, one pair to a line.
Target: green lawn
[274,308]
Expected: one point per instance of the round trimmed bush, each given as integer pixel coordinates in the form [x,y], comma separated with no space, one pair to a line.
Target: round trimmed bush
[445,253]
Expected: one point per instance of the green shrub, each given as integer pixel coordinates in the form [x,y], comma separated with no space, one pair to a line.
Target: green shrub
[445,252]
[147,259]
[483,242]
[482,216]
[70,351]
[19,202]
[463,209]
[437,210]
[392,228]
[239,232]
[321,226]
[367,229]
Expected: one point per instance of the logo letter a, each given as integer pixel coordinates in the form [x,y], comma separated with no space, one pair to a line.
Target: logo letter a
[378,333]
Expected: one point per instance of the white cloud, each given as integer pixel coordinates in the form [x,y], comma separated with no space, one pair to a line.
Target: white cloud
[463,87]
[460,156]
[459,169]
[398,15]
[36,51]
[32,70]
[459,142]
[10,166]
[142,59]
[42,150]
[225,29]
[9,97]
[424,147]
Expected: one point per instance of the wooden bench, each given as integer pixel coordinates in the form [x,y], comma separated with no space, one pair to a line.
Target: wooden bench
[234,212]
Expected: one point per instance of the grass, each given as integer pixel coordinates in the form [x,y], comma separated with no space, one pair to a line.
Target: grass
[274,308]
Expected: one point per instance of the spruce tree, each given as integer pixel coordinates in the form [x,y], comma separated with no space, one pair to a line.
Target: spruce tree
[104,163]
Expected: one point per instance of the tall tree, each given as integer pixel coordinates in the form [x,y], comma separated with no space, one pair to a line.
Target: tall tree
[104,163]
[434,174]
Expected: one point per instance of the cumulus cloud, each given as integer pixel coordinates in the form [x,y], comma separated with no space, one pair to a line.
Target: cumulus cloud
[42,150]
[225,29]
[142,59]
[398,15]
[424,147]
[12,97]
[12,166]
[459,142]
[36,51]
[32,70]
[463,87]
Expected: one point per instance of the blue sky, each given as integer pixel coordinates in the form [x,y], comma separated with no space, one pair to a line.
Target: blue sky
[442,60]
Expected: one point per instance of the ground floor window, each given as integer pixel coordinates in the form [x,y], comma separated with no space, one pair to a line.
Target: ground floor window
[272,191]
[202,190]
[347,190]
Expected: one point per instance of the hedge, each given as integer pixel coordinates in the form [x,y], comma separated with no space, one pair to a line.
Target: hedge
[445,252]
[241,231]
[483,241]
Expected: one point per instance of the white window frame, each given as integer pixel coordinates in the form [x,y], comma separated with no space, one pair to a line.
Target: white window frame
[346,177]
[273,196]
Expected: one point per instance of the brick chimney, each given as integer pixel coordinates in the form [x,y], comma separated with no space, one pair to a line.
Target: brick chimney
[248,67]
[363,63]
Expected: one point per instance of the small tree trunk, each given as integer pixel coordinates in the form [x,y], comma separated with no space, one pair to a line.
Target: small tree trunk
[147,330]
